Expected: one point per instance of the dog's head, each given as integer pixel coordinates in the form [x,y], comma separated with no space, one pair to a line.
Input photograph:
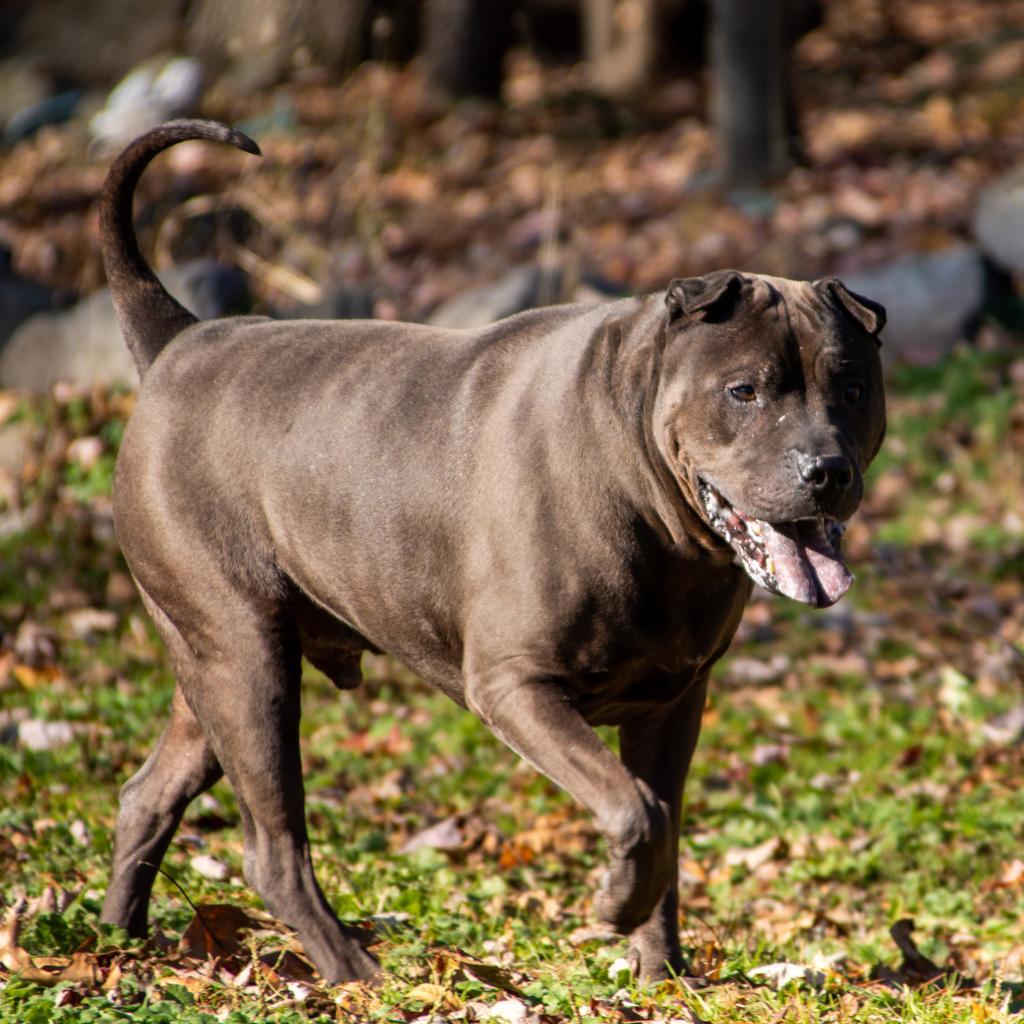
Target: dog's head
[770,407]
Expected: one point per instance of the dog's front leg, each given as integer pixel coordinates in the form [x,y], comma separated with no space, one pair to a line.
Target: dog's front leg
[657,747]
[530,711]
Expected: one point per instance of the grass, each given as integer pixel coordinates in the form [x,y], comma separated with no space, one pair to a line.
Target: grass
[865,776]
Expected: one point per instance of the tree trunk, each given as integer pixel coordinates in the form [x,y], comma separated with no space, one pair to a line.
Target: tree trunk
[465,46]
[750,102]
[621,40]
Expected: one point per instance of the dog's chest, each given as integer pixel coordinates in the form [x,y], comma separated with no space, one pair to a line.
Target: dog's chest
[650,649]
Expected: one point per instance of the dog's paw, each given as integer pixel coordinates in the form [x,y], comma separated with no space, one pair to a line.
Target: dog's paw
[655,957]
[623,902]
[350,963]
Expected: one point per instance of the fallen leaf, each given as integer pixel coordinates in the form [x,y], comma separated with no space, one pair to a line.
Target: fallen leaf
[215,930]
[782,974]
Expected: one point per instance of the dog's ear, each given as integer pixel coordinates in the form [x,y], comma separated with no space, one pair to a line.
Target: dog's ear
[869,314]
[710,297]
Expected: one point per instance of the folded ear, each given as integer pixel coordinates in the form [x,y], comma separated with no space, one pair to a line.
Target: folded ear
[869,314]
[712,293]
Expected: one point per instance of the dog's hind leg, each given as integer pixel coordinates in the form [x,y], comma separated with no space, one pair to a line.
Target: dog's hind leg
[152,802]
[244,690]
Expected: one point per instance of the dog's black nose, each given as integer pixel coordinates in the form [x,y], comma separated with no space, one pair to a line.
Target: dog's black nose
[827,474]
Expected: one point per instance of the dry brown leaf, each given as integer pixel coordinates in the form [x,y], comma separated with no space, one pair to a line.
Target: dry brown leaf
[215,930]
[486,973]
[434,995]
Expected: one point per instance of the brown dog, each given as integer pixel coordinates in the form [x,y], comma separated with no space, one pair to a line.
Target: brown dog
[555,520]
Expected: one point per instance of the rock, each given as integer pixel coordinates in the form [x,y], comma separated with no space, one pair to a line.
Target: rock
[22,85]
[517,290]
[149,95]
[51,110]
[20,298]
[339,302]
[930,299]
[211,289]
[522,288]
[37,734]
[84,346]
[999,221]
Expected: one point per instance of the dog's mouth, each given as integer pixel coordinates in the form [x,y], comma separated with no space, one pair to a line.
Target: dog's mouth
[800,559]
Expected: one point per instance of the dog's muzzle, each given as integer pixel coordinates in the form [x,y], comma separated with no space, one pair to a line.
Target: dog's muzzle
[800,559]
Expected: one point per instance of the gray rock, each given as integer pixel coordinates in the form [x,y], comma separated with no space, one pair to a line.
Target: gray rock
[522,288]
[51,110]
[84,345]
[22,85]
[20,298]
[999,221]
[339,302]
[211,289]
[930,299]
[519,289]
[149,95]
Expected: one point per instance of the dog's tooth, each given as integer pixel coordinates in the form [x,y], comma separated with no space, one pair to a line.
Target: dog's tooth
[769,564]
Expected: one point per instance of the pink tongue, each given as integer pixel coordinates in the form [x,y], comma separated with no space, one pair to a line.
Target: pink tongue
[807,567]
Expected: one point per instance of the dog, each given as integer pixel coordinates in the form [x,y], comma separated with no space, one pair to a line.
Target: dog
[556,520]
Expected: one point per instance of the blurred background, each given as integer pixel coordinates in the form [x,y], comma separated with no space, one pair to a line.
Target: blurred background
[455,161]
[541,150]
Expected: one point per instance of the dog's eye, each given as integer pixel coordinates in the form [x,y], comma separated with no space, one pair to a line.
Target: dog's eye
[853,392]
[743,393]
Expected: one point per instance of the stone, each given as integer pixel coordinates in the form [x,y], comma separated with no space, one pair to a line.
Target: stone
[999,221]
[515,291]
[931,299]
[84,345]
[522,288]
[21,297]
[22,85]
[155,92]
[339,302]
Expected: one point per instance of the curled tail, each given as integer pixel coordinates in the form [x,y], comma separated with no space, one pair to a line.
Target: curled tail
[148,315]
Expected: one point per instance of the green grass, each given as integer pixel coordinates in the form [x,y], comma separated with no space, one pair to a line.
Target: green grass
[866,778]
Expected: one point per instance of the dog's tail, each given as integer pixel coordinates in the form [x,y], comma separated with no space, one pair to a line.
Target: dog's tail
[148,315]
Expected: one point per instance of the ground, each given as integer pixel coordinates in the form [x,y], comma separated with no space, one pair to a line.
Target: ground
[858,767]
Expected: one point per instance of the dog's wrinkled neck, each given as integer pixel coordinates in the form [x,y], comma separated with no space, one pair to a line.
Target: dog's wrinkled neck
[677,502]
